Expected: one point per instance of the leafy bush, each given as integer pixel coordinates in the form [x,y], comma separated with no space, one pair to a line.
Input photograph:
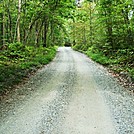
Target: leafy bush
[98,57]
[14,50]
[77,47]
[17,60]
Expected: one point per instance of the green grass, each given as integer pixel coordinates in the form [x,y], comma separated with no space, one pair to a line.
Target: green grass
[17,61]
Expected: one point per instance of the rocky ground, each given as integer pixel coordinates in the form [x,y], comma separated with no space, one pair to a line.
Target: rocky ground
[72,95]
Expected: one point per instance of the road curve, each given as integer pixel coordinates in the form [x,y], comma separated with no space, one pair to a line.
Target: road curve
[72,95]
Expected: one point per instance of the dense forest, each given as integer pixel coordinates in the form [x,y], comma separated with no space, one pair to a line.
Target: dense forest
[104,30]
[30,30]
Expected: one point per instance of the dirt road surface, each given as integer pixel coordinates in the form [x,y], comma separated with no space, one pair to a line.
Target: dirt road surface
[71,95]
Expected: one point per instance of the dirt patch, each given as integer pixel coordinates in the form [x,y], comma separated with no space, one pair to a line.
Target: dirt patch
[123,79]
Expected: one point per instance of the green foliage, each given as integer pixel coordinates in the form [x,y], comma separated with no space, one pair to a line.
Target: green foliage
[10,75]
[78,47]
[41,22]
[15,50]
[108,32]
[98,56]
[17,60]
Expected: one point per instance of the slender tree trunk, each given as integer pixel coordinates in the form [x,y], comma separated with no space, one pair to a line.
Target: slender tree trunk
[74,33]
[129,37]
[52,32]
[10,26]
[45,32]
[91,32]
[18,20]
[4,33]
[1,29]
[109,28]
[24,21]
[38,34]
[45,35]
[85,40]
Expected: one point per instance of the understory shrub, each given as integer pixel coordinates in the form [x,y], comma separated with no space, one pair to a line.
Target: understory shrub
[17,60]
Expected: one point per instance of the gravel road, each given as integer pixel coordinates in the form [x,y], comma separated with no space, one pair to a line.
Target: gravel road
[71,95]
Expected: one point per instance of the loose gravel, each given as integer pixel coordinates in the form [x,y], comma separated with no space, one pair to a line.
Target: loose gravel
[72,95]
[120,100]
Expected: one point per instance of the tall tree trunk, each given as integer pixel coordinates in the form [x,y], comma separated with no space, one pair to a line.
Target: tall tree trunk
[45,32]
[1,29]
[38,34]
[18,20]
[129,37]
[10,26]
[109,28]
[4,33]
[45,35]
[84,36]
[74,33]
[24,21]
[91,32]
[52,33]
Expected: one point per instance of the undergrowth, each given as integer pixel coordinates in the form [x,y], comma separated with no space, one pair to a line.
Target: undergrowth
[18,60]
[119,61]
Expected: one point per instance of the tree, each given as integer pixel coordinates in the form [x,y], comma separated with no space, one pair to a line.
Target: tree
[35,22]
[18,20]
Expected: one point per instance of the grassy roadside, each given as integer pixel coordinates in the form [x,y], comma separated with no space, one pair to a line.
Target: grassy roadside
[121,62]
[17,61]
[114,64]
